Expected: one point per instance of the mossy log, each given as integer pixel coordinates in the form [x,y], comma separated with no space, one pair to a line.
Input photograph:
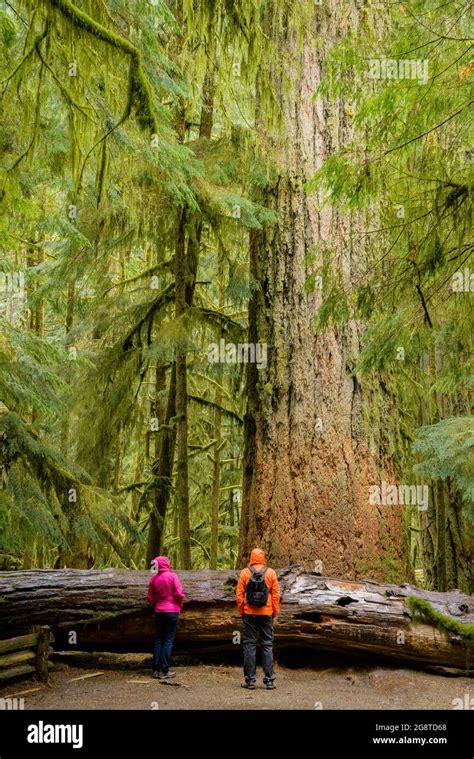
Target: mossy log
[107,610]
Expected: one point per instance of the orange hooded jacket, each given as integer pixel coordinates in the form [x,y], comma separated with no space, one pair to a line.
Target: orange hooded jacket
[257,560]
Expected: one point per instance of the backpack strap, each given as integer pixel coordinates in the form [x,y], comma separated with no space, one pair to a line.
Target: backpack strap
[257,571]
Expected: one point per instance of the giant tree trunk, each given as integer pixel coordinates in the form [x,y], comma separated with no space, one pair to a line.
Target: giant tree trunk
[309,461]
[107,609]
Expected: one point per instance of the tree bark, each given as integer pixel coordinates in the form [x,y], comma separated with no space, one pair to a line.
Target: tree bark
[164,474]
[182,488]
[70,304]
[309,460]
[108,610]
[216,483]
[216,464]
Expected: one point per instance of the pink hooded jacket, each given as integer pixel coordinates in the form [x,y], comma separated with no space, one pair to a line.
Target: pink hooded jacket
[165,591]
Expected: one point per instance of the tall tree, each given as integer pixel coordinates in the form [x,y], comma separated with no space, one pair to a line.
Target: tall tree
[309,460]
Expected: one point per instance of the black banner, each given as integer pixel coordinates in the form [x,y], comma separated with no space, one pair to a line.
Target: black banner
[130,733]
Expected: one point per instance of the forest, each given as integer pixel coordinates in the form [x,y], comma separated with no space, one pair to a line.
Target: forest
[236,294]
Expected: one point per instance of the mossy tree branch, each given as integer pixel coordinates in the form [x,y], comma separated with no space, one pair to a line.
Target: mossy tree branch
[139,95]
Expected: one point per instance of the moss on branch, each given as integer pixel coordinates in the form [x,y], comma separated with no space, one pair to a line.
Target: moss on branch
[140,100]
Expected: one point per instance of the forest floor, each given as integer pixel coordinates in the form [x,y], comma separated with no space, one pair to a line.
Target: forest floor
[207,686]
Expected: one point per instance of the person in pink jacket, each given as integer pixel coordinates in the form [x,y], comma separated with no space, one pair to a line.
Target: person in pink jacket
[166,595]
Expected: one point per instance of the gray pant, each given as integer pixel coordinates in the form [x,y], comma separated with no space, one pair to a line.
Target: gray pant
[253,624]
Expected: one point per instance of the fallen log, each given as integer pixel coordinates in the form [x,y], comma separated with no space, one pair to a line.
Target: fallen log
[107,610]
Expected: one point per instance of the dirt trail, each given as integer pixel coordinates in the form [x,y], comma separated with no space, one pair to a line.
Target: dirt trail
[218,687]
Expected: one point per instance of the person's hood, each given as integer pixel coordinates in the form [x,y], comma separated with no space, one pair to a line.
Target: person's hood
[162,563]
[257,557]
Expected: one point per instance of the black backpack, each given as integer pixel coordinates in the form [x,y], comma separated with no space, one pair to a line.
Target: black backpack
[257,589]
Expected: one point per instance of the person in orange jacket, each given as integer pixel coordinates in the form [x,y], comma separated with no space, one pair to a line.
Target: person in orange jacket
[258,602]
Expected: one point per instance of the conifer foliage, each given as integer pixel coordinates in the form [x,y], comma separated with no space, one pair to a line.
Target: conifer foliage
[135,178]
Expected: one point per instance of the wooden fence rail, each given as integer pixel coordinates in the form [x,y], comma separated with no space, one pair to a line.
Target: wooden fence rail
[26,655]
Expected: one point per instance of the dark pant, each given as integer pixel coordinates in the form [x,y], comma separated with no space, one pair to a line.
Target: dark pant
[254,624]
[166,623]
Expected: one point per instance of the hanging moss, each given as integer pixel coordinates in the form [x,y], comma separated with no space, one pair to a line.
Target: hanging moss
[36,41]
[139,99]
[101,173]
[423,609]
[140,96]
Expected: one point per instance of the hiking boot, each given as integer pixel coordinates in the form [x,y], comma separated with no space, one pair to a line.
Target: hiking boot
[270,685]
[156,674]
[248,685]
[166,675]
